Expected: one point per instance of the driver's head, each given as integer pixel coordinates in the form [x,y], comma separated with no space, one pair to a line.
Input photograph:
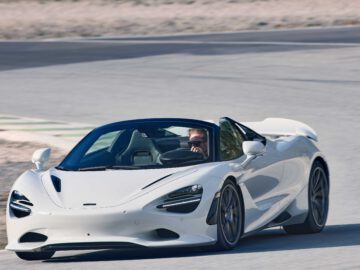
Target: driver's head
[198,141]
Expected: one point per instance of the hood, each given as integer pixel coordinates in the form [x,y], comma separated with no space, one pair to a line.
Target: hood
[74,189]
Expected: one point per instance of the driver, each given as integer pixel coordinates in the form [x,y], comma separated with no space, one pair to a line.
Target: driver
[198,141]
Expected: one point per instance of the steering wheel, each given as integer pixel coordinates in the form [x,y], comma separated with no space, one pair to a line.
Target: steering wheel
[180,156]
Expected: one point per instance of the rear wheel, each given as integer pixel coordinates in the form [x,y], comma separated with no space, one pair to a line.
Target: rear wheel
[32,256]
[229,217]
[318,197]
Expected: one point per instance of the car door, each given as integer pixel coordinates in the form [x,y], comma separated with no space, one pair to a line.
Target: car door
[260,180]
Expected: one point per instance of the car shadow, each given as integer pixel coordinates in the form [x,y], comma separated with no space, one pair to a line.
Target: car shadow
[265,241]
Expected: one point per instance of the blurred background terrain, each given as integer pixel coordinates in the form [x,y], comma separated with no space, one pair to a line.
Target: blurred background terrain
[44,19]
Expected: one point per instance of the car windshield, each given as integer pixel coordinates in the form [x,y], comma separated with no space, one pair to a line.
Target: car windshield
[140,146]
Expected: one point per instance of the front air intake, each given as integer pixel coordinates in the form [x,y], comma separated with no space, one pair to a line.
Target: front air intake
[165,234]
[32,237]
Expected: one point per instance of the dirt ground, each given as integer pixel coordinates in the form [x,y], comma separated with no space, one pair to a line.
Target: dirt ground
[40,19]
[15,158]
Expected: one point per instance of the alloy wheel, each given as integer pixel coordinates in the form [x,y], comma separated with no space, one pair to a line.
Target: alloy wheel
[230,219]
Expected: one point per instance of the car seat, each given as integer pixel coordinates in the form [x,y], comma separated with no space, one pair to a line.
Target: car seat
[140,151]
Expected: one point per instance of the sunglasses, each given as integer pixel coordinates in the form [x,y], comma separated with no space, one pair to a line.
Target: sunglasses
[196,143]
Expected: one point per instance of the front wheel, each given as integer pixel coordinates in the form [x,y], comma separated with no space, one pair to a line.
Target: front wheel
[32,256]
[229,217]
[318,198]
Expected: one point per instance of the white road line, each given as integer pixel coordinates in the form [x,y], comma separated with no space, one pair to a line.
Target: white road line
[57,133]
[195,42]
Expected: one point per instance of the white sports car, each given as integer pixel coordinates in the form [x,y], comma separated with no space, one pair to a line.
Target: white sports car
[171,182]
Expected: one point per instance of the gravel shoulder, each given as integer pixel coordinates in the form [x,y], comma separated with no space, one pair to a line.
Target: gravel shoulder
[15,158]
[39,19]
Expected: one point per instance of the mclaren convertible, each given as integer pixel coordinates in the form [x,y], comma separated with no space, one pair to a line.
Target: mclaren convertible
[171,182]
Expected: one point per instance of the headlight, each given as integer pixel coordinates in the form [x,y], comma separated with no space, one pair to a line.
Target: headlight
[19,204]
[184,200]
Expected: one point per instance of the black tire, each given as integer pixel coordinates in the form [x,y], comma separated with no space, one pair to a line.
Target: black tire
[229,217]
[318,198]
[33,256]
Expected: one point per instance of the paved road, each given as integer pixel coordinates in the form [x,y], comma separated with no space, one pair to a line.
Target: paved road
[334,249]
[16,55]
[308,75]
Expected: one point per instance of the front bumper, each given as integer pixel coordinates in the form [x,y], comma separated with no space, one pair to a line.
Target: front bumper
[124,226]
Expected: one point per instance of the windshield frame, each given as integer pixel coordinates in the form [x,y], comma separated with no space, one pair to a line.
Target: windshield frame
[92,136]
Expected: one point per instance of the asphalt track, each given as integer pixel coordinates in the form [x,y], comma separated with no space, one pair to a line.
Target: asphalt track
[17,55]
[308,75]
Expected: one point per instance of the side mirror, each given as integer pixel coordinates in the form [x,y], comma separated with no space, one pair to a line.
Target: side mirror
[41,157]
[252,149]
